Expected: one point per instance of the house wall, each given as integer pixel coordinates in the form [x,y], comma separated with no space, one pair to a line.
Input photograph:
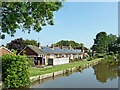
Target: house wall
[59,61]
[60,55]
[51,55]
[47,57]
[28,51]
[71,56]
[4,51]
[30,54]
[75,56]
[55,55]
[65,55]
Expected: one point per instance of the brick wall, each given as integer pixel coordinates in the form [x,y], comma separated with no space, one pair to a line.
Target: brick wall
[48,56]
[28,51]
[4,51]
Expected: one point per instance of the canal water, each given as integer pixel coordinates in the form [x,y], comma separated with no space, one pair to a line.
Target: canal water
[102,75]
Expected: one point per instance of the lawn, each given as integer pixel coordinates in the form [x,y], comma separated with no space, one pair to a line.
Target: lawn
[34,71]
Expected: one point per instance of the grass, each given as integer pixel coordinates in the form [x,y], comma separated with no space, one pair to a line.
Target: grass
[40,71]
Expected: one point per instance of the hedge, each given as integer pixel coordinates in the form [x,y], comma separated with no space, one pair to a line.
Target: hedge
[15,71]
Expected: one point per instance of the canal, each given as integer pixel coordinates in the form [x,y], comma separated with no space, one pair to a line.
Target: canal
[102,75]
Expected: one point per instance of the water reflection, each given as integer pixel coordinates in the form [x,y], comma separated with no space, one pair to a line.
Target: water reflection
[105,71]
[102,75]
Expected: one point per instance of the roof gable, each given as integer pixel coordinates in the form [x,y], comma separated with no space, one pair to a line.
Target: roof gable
[1,47]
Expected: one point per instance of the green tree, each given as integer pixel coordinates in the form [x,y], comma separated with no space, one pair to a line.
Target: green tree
[118,44]
[81,45]
[100,43]
[67,43]
[27,16]
[118,40]
[112,43]
[90,54]
[29,42]
[14,51]
[18,44]
[72,43]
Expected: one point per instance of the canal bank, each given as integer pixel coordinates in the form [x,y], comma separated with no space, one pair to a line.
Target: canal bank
[61,69]
[96,76]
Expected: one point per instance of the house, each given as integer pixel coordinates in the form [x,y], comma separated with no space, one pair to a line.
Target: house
[50,55]
[80,48]
[4,50]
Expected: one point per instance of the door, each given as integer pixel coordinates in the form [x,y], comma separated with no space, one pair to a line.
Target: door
[50,61]
[39,59]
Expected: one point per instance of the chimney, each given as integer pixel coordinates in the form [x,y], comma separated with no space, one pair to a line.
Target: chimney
[70,47]
[39,45]
[53,46]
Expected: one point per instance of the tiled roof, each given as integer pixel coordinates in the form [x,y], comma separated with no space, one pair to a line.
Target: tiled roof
[47,50]
[55,51]
[58,50]
[68,51]
[72,51]
[35,49]
[42,50]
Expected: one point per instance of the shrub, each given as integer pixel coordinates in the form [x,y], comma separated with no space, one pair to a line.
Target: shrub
[90,54]
[15,71]
[100,56]
[85,57]
[94,57]
[111,53]
[109,57]
[97,54]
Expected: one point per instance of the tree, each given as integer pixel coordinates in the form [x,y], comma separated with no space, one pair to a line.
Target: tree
[112,43]
[19,44]
[118,40]
[90,54]
[72,43]
[16,44]
[67,43]
[118,44]
[81,45]
[29,42]
[100,43]
[27,16]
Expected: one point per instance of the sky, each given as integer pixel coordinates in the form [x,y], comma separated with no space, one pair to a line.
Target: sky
[78,21]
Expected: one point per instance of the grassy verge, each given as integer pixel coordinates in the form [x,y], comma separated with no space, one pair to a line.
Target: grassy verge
[41,71]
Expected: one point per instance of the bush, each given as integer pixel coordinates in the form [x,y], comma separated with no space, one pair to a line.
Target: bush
[111,53]
[109,57]
[15,71]
[100,56]
[85,57]
[90,54]
[97,54]
[94,57]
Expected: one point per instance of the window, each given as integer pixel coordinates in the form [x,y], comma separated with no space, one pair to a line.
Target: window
[57,55]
